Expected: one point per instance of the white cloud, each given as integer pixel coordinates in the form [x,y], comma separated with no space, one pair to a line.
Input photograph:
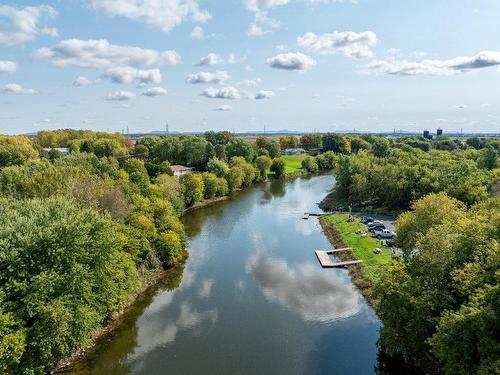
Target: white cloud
[316,296]
[206,288]
[16,89]
[81,81]
[393,51]
[248,68]
[100,54]
[419,54]
[7,66]
[250,82]
[208,77]
[291,61]
[21,25]
[264,94]
[211,59]
[257,5]
[155,91]
[221,93]
[163,15]
[230,92]
[120,95]
[349,43]
[224,108]
[215,59]
[198,33]
[262,25]
[456,65]
[128,75]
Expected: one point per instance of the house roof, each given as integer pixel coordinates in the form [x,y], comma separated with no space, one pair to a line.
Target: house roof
[179,168]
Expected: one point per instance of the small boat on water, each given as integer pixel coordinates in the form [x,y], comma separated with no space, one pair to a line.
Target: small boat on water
[305,216]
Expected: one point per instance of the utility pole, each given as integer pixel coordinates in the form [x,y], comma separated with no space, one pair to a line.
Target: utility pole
[166,128]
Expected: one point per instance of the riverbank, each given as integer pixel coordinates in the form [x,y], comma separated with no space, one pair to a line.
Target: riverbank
[344,233]
[171,276]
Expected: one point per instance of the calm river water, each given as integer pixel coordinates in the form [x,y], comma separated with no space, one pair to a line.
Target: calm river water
[251,299]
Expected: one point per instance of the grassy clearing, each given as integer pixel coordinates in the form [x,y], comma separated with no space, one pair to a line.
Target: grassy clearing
[362,247]
[293,163]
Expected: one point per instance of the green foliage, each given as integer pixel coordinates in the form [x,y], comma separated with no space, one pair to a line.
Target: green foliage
[309,164]
[234,177]
[326,160]
[240,147]
[381,147]
[278,167]
[62,273]
[192,187]
[336,143]
[443,296]
[289,142]
[310,141]
[217,167]
[16,150]
[263,163]
[271,147]
[393,182]
[210,185]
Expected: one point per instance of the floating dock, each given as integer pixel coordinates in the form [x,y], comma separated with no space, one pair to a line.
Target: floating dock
[327,262]
[305,216]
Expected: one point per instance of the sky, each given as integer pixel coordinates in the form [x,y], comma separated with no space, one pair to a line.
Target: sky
[242,65]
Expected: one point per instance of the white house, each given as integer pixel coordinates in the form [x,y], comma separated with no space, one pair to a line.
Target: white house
[179,170]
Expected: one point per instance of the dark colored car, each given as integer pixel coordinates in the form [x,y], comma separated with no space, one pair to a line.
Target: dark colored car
[367,219]
[376,227]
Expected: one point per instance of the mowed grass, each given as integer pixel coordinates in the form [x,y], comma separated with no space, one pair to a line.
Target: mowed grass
[293,163]
[362,247]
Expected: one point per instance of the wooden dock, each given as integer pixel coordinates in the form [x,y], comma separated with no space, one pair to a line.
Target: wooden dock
[327,262]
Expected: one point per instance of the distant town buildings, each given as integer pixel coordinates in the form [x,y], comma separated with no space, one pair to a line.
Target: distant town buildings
[428,135]
[180,170]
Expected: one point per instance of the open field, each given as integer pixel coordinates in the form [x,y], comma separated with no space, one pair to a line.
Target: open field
[294,163]
[362,247]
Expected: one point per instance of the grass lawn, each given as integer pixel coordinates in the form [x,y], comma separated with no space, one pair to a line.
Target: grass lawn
[293,163]
[362,247]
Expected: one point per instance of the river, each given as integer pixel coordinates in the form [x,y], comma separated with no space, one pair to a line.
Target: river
[251,298]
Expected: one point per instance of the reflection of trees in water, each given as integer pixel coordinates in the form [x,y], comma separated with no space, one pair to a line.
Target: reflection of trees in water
[394,364]
[194,220]
[111,350]
[276,189]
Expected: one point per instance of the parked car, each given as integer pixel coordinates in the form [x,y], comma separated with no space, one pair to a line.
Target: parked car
[374,223]
[377,227]
[367,219]
[384,233]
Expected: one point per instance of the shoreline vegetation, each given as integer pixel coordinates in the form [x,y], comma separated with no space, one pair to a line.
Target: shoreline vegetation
[88,219]
[343,233]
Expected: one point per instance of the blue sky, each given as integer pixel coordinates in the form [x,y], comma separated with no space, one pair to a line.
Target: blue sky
[287,64]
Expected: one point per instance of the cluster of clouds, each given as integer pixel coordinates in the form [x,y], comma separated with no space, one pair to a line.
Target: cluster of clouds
[7,66]
[162,15]
[208,77]
[230,92]
[21,25]
[349,43]
[434,67]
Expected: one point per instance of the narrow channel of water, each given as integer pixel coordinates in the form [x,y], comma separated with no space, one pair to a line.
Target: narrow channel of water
[251,299]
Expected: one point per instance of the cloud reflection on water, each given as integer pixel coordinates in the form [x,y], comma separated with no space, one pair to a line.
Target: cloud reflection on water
[314,293]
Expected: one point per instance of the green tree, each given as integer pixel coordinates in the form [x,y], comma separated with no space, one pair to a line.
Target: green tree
[380,147]
[278,167]
[310,141]
[218,167]
[240,147]
[192,186]
[16,150]
[210,185]
[309,164]
[234,177]
[263,163]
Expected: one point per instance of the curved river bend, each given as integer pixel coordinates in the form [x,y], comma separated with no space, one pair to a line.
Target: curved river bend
[251,299]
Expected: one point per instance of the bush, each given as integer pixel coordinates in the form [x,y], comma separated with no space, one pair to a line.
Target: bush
[278,167]
[192,187]
[309,164]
